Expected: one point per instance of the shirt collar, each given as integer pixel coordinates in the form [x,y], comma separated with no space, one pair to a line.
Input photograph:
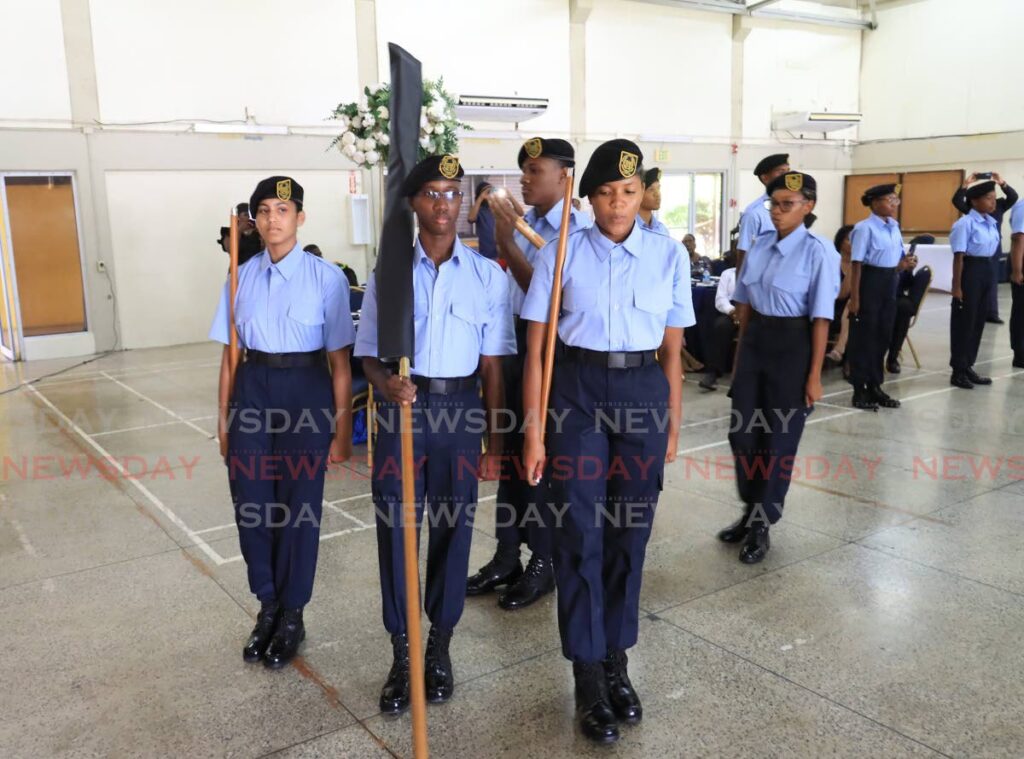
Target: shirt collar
[878,221]
[457,252]
[552,217]
[633,244]
[792,241]
[982,217]
[287,266]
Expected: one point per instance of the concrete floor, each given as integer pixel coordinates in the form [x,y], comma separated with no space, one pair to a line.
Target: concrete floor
[886,620]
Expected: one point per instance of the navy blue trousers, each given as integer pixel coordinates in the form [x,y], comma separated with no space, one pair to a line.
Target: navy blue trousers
[279,436]
[607,436]
[446,451]
[871,330]
[521,512]
[967,317]
[768,412]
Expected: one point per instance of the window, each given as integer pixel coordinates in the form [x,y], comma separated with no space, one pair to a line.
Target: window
[691,203]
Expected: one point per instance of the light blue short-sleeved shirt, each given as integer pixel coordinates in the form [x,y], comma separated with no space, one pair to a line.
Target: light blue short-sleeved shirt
[976,235]
[1017,218]
[547,226]
[795,276]
[615,297]
[460,312]
[755,221]
[877,242]
[654,226]
[297,305]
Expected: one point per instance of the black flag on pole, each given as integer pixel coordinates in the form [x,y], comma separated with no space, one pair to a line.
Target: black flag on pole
[395,337]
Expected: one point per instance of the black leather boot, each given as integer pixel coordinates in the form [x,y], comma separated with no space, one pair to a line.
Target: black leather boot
[284,645]
[261,634]
[892,364]
[624,700]
[882,398]
[438,667]
[959,379]
[976,378]
[863,399]
[538,580]
[394,696]
[504,569]
[756,545]
[593,709]
[737,531]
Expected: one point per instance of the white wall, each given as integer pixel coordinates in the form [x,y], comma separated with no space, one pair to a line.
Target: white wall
[798,68]
[918,78]
[656,70]
[33,70]
[289,63]
[168,267]
[483,47]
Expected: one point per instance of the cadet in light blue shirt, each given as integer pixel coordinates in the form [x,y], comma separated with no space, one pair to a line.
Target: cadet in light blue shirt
[974,239]
[625,295]
[545,164]
[786,296]
[463,326]
[291,308]
[652,203]
[877,247]
[756,220]
[1017,283]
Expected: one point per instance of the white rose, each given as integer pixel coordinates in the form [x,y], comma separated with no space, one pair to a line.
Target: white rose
[359,156]
[349,150]
[360,144]
[372,157]
[369,144]
[369,121]
[425,143]
[424,121]
[357,122]
[437,110]
[439,129]
[348,138]
[384,112]
[384,139]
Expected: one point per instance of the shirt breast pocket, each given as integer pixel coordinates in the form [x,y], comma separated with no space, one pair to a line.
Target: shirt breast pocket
[466,311]
[307,314]
[245,310]
[653,300]
[792,281]
[577,298]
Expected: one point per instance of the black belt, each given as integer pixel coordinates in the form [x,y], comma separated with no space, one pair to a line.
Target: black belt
[782,322]
[610,359]
[285,360]
[973,259]
[444,385]
[881,269]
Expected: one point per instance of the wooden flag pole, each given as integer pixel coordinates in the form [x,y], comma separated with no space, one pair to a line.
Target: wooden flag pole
[233,352]
[417,688]
[548,366]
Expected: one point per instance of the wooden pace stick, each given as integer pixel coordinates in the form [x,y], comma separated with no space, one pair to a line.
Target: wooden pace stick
[233,352]
[521,226]
[556,305]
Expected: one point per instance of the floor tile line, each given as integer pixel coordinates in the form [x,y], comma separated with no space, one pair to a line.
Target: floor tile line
[160,406]
[146,492]
[807,688]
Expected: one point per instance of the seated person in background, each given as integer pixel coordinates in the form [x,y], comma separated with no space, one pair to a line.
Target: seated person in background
[909,291]
[840,324]
[315,250]
[724,329]
[349,272]
[480,215]
[698,264]
[225,239]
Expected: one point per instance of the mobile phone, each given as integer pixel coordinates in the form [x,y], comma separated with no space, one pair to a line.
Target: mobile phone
[983,175]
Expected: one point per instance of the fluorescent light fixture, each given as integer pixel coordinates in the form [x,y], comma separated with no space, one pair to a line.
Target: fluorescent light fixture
[205,128]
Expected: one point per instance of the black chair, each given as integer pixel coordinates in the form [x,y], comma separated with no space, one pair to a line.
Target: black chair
[356,298]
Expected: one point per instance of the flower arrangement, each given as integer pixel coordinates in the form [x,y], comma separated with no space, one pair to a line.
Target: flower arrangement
[366,124]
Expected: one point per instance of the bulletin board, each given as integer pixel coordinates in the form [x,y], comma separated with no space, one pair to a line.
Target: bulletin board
[927,201]
[856,184]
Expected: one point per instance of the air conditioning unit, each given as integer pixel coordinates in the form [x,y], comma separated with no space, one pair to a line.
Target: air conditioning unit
[814,121]
[494,108]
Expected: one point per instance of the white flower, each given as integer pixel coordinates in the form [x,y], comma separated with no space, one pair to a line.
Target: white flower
[369,144]
[372,157]
[368,120]
[439,129]
[359,156]
[362,102]
[384,139]
[360,144]
[425,143]
[357,122]
[437,110]
[349,150]
[384,112]
[348,138]
[345,121]
[379,86]
[424,121]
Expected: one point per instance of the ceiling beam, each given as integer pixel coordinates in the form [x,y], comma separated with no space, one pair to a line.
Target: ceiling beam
[759,10]
[751,7]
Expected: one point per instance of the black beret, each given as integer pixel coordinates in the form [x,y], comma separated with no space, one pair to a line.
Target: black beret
[880,191]
[612,161]
[651,176]
[792,180]
[980,190]
[771,162]
[280,188]
[538,147]
[433,169]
